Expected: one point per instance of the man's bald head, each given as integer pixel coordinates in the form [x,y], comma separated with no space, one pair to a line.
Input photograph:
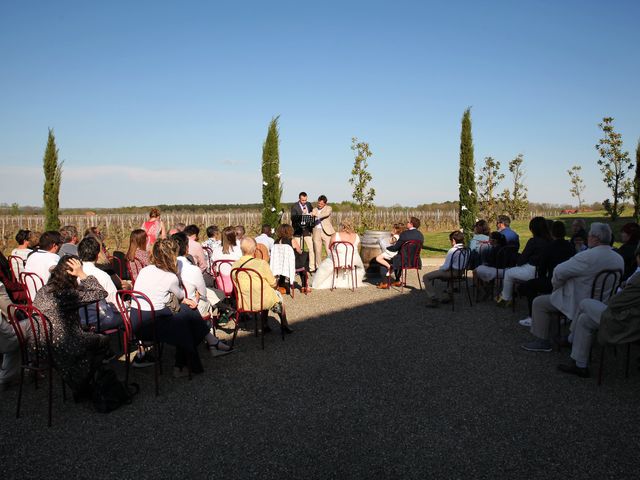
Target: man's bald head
[248,246]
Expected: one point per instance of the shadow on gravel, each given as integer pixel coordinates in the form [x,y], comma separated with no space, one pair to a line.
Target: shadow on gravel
[370,384]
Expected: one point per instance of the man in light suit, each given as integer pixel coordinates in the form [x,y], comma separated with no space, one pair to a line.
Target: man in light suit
[572,281]
[322,230]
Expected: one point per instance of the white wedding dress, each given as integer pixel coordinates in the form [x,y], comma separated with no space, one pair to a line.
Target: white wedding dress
[323,278]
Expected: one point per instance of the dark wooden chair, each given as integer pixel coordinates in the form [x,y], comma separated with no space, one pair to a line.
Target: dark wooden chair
[32,283]
[342,255]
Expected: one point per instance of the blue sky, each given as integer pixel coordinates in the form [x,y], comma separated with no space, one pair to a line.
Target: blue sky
[169,102]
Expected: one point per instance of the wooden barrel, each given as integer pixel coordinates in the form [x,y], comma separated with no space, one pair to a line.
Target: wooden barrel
[370,249]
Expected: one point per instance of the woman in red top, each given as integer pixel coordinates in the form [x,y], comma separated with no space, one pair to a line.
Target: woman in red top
[154,227]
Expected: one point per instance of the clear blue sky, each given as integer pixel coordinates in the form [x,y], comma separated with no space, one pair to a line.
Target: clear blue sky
[174,98]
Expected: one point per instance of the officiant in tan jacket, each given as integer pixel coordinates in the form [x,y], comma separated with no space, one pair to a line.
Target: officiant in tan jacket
[322,230]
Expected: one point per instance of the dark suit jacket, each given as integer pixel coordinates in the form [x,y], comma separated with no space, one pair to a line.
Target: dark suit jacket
[405,236]
[296,211]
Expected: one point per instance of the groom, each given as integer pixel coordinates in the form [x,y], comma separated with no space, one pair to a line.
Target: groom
[322,230]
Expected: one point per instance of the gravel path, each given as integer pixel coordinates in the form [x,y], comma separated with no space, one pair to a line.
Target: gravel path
[371,384]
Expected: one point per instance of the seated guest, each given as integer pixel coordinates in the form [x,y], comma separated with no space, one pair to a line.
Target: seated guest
[177,228]
[88,251]
[572,282]
[387,255]
[45,258]
[480,237]
[527,261]
[630,234]
[443,273]
[325,276]
[22,250]
[34,241]
[103,258]
[213,238]
[137,251]
[197,253]
[14,288]
[617,321]
[503,223]
[285,237]
[193,282]
[70,241]
[558,251]
[494,263]
[76,354]
[579,234]
[265,237]
[250,290]
[411,233]
[240,231]
[177,320]
[228,250]
[9,346]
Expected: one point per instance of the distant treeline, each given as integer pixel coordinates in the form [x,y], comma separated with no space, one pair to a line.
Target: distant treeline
[345,206]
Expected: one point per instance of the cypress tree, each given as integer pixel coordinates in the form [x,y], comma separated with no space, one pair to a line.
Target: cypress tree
[271,188]
[52,179]
[636,187]
[468,207]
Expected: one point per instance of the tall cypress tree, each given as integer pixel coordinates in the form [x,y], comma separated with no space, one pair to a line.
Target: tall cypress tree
[271,188]
[468,208]
[636,187]
[52,179]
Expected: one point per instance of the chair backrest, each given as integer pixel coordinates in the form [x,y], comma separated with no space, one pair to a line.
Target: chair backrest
[605,284]
[135,299]
[208,254]
[460,261]
[116,264]
[410,254]
[244,280]
[221,271]
[38,329]
[16,266]
[283,260]
[32,283]
[342,254]
[133,267]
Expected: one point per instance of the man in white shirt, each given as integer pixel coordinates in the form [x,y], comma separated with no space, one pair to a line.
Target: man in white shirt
[265,239]
[42,260]
[443,273]
[88,251]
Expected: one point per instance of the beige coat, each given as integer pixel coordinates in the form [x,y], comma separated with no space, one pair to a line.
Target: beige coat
[620,322]
[325,219]
[572,280]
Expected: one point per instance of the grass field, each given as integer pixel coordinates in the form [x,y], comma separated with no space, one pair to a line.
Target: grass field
[436,244]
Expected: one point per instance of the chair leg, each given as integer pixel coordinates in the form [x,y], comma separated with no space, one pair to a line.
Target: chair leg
[419,281]
[20,392]
[50,373]
[235,330]
[601,369]
[466,282]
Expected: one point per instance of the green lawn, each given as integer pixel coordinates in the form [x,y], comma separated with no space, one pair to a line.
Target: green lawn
[436,244]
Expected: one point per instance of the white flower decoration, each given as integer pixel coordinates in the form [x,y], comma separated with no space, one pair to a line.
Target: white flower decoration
[265,183]
[273,209]
[463,208]
[470,192]
[278,175]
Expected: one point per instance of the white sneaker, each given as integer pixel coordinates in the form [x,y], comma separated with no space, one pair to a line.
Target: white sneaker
[525,322]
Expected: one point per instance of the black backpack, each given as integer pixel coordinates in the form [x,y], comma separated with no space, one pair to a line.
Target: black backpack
[109,393]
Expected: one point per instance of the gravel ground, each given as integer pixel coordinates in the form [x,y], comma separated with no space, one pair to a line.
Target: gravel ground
[370,384]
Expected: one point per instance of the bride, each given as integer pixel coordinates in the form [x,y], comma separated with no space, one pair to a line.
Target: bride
[323,278]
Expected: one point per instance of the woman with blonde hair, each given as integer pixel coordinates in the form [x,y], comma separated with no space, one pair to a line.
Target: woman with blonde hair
[154,227]
[341,256]
[228,250]
[177,320]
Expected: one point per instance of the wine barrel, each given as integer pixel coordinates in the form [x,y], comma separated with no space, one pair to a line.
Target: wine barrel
[370,249]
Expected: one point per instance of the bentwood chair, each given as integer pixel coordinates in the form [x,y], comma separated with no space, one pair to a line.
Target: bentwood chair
[116,264]
[459,274]
[33,331]
[250,302]
[410,260]
[16,266]
[32,282]
[130,306]
[342,256]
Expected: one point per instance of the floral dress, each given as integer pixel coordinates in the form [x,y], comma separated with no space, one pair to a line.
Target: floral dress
[76,353]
